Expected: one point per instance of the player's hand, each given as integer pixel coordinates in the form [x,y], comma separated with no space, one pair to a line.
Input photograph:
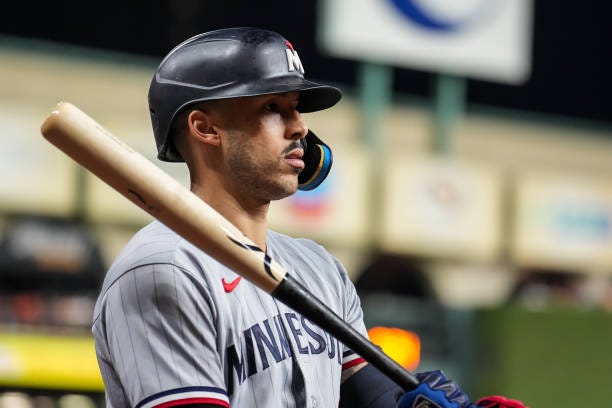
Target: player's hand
[497,401]
[435,391]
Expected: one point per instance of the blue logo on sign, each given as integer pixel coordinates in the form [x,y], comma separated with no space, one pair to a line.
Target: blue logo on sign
[582,222]
[427,18]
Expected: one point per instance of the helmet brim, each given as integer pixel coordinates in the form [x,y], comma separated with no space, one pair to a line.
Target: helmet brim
[318,97]
[313,96]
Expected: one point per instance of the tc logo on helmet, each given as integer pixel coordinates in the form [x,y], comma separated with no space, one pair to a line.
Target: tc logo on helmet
[293,59]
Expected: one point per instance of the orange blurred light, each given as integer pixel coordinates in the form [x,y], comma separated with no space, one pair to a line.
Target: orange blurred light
[403,346]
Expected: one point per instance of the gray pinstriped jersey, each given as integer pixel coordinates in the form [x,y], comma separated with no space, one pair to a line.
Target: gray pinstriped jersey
[173,326]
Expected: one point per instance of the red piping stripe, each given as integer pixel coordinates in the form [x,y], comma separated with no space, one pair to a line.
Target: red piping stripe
[195,400]
[352,363]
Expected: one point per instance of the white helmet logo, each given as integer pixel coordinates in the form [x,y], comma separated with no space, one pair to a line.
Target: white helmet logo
[293,59]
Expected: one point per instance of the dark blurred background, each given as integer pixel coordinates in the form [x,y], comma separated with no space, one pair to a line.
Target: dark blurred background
[571,53]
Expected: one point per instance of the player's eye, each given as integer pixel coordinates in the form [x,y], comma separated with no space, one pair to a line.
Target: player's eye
[272,107]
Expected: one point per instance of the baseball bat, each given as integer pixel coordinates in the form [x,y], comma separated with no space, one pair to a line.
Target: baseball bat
[95,148]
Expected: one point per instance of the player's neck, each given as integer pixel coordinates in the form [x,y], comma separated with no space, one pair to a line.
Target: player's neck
[248,215]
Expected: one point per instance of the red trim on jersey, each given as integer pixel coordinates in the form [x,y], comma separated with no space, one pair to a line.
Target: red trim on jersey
[196,400]
[352,363]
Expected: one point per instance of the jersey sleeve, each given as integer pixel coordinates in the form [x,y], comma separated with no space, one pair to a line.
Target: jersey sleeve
[353,315]
[158,333]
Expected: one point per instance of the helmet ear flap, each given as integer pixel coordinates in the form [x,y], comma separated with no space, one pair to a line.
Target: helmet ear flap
[317,160]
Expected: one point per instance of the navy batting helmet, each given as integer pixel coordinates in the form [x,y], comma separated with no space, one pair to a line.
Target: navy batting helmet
[236,62]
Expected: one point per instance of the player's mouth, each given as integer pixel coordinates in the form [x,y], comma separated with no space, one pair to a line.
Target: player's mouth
[294,158]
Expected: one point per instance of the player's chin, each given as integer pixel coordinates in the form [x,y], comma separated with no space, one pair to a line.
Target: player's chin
[291,184]
[285,186]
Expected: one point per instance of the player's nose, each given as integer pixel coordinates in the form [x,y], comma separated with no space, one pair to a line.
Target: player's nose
[296,126]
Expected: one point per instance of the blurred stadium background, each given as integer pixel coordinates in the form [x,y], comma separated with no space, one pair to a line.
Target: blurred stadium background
[472,209]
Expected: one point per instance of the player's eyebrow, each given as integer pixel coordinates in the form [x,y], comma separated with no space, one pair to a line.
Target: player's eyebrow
[291,97]
[291,94]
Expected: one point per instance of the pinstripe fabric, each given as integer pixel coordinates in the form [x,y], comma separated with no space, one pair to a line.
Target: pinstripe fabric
[168,333]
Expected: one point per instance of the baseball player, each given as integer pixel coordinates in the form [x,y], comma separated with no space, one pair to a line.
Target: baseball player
[172,326]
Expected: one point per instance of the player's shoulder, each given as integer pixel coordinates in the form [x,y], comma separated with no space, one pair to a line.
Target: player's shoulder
[282,241]
[303,254]
[305,258]
[155,247]
[154,244]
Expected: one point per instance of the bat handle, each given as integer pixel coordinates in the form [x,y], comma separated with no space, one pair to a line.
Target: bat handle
[295,295]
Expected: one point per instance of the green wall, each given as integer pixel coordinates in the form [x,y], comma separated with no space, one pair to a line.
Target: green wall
[554,358]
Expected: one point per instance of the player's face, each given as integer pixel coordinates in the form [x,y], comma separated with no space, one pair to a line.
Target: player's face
[262,148]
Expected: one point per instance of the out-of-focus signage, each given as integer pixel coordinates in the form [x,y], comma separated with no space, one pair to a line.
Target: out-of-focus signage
[486,39]
[36,177]
[442,208]
[563,223]
[39,245]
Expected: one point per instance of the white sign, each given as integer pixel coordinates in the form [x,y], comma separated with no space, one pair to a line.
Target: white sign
[438,207]
[563,222]
[483,39]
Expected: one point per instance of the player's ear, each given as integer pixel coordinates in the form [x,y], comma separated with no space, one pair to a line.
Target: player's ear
[201,127]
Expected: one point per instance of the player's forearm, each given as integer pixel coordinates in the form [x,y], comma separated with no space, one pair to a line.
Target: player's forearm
[369,388]
[349,372]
